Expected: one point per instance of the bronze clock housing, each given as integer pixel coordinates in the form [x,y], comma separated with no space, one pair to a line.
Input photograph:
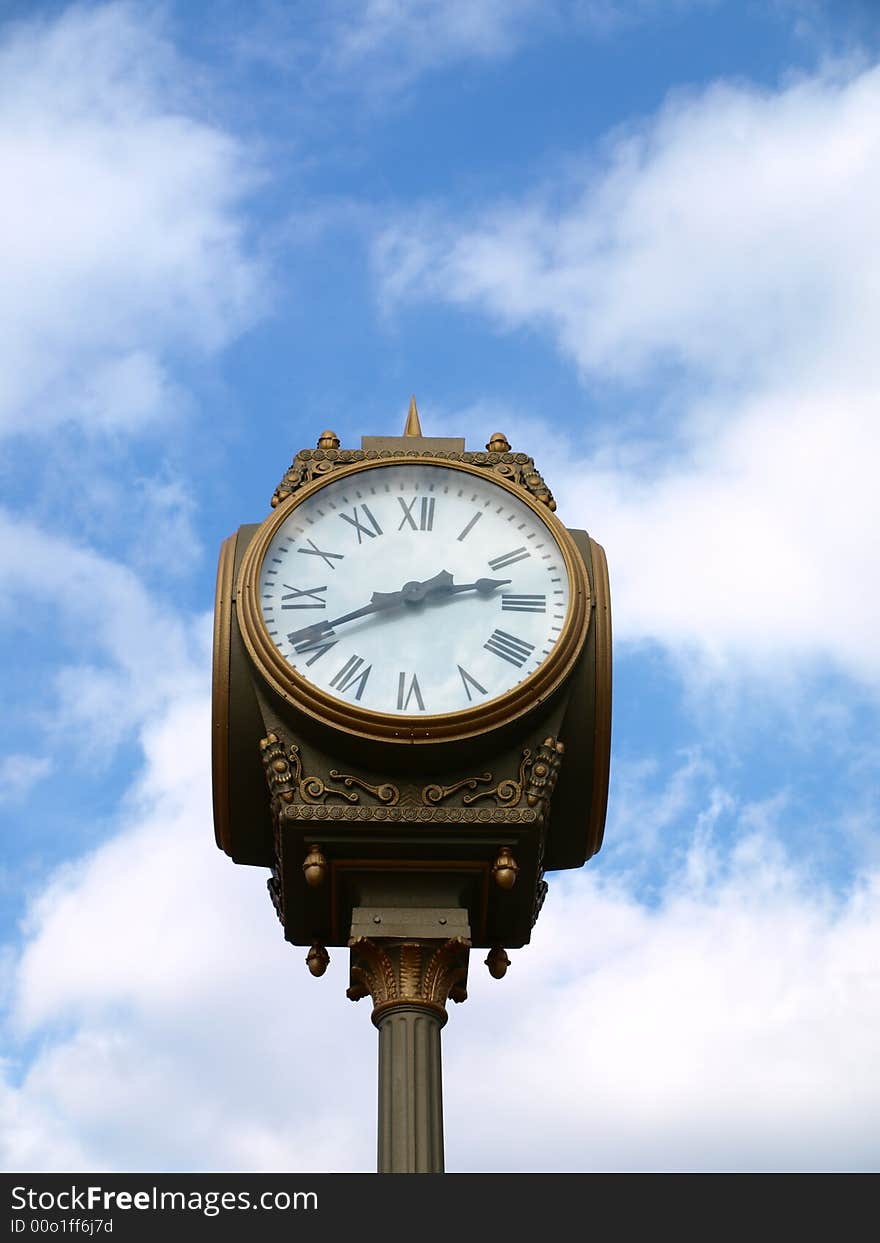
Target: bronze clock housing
[313,787]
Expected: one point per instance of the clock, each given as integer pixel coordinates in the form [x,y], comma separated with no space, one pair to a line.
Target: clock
[413,600]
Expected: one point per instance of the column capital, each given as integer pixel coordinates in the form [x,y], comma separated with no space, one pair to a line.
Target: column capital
[409,972]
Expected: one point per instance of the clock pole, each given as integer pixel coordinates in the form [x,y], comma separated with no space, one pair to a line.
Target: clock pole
[409,961]
[406,814]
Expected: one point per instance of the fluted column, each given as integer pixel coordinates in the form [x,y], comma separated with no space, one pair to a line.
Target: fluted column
[410,1092]
[409,982]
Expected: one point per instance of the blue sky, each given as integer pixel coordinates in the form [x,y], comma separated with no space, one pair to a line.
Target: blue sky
[638,237]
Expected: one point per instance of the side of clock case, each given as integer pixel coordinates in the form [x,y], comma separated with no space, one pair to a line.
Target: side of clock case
[242,821]
[577,817]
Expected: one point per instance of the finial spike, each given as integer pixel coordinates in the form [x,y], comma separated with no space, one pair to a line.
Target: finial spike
[413,426]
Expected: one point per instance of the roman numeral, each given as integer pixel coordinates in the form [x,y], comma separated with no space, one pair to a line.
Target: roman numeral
[309,597]
[509,647]
[359,526]
[404,695]
[351,673]
[523,604]
[466,678]
[470,526]
[318,645]
[425,515]
[315,551]
[518,554]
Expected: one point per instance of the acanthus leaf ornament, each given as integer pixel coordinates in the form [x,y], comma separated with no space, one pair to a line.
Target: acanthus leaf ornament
[411,973]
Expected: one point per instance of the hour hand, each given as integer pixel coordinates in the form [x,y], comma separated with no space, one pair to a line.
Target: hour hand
[413,592]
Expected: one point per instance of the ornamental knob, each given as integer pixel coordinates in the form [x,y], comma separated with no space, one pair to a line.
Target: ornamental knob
[505,869]
[497,962]
[314,867]
[317,959]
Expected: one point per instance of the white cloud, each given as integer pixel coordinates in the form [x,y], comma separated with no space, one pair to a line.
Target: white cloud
[31,1138]
[393,41]
[376,48]
[163,1021]
[408,37]
[729,233]
[173,1016]
[642,818]
[126,654]
[729,1025]
[18,773]
[121,237]
[132,954]
[729,240]
[761,555]
[732,1027]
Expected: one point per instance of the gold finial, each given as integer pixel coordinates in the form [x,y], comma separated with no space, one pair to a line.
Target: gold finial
[498,443]
[328,440]
[413,426]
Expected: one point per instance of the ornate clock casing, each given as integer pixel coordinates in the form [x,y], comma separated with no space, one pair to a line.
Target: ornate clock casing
[412,668]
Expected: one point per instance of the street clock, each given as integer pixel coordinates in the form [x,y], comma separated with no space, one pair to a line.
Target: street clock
[412,688]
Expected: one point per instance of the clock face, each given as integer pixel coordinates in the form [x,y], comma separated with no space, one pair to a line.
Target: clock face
[414,590]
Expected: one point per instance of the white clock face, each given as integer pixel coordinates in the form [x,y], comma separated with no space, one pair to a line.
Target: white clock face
[414,590]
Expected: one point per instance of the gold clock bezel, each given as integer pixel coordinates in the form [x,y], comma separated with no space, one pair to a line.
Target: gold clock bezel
[304,696]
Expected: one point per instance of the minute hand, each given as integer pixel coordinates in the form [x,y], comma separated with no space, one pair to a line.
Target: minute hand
[379,602]
[310,633]
[440,585]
